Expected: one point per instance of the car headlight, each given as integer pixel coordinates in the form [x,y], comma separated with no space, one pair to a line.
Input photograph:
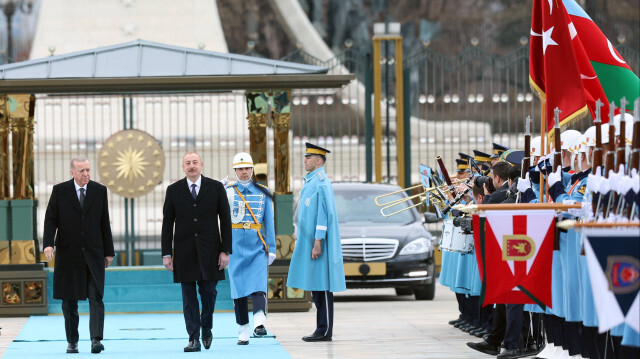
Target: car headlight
[417,246]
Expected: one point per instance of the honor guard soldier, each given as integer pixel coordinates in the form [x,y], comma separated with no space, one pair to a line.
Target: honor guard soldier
[316,264]
[253,249]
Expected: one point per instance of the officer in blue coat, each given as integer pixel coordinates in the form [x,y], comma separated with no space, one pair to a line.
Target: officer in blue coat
[253,247]
[316,264]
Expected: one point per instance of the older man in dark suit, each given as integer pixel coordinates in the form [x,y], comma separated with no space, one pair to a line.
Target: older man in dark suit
[77,224]
[194,247]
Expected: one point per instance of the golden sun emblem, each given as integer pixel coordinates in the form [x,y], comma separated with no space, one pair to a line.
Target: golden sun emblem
[131,163]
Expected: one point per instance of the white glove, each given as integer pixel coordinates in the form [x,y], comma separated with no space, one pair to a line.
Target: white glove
[593,181]
[614,181]
[626,183]
[555,177]
[635,180]
[604,186]
[524,183]
[225,181]
[272,257]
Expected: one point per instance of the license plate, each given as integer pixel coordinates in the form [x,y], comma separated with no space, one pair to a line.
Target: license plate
[359,269]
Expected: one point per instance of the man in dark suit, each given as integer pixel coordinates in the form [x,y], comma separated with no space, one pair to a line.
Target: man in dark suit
[194,247]
[500,177]
[77,223]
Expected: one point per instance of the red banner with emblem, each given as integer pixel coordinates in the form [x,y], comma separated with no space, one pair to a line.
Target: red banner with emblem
[514,251]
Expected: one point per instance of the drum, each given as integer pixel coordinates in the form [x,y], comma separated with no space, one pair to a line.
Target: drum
[453,240]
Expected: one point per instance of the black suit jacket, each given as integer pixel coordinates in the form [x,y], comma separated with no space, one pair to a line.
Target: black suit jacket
[499,195]
[190,231]
[82,238]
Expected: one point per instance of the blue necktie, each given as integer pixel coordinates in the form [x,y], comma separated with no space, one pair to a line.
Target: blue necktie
[193,191]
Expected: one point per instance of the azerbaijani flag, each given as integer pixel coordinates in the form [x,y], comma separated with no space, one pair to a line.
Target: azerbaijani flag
[613,73]
[572,64]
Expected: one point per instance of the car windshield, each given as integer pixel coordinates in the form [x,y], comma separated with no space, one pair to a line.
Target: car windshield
[358,206]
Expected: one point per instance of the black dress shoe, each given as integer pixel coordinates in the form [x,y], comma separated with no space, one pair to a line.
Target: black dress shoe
[469,328]
[96,346]
[510,353]
[243,342]
[260,331]
[207,338]
[484,347]
[460,324]
[72,348]
[455,321]
[315,337]
[194,346]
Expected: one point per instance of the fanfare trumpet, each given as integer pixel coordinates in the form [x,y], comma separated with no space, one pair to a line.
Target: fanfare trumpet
[437,196]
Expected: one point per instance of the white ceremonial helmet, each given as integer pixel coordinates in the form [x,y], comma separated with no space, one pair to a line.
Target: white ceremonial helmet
[628,129]
[536,146]
[589,137]
[242,160]
[569,138]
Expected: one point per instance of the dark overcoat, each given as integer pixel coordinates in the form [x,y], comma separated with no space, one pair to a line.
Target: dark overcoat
[82,238]
[194,232]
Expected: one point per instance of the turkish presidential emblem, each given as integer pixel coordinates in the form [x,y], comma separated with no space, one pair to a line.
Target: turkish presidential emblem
[131,163]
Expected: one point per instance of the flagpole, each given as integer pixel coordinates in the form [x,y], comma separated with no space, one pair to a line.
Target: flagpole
[543,129]
[517,206]
[568,224]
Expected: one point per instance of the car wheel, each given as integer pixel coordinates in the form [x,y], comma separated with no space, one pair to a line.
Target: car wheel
[427,292]
[404,291]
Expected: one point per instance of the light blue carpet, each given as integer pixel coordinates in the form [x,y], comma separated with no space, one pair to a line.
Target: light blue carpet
[138,336]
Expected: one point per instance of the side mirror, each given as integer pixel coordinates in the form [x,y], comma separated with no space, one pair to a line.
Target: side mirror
[430,217]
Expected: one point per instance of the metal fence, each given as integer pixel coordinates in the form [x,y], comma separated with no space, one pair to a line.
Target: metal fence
[456,105]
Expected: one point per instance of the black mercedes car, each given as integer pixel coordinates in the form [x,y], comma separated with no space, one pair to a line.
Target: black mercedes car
[382,252]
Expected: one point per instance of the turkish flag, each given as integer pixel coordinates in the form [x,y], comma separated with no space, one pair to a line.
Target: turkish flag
[555,66]
[515,256]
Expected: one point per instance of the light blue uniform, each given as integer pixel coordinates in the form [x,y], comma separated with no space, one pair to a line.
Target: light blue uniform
[317,219]
[248,263]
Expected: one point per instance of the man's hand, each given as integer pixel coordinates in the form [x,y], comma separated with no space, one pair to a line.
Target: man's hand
[486,191]
[107,261]
[168,263]
[48,252]
[317,249]
[223,261]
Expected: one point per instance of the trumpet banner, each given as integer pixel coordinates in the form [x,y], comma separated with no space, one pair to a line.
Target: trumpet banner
[514,251]
[613,259]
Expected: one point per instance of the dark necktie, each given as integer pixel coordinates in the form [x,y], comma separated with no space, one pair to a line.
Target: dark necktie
[82,197]
[193,191]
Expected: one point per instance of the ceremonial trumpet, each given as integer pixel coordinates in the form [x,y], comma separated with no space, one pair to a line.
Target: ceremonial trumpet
[436,198]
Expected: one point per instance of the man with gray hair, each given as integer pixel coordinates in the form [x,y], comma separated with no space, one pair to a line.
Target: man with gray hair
[77,224]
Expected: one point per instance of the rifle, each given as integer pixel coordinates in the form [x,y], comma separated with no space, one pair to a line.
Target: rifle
[557,154]
[611,150]
[597,156]
[610,158]
[597,151]
[634,160]
[620,154]
[527,152]
[526,160]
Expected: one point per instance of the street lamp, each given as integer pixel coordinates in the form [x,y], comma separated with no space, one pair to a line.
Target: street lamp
[9,8]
